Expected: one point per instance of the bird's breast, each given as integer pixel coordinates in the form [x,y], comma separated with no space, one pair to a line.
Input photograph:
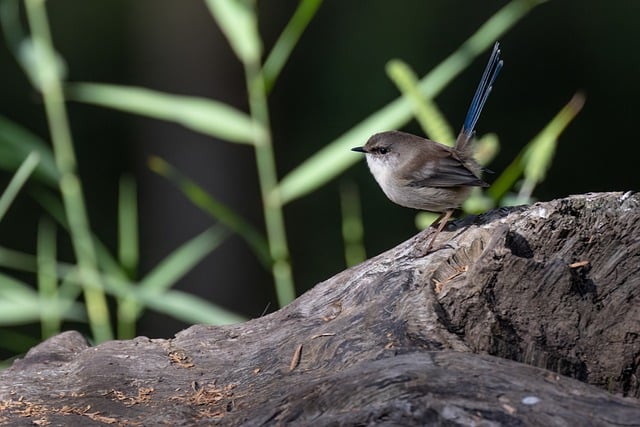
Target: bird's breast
[432,199]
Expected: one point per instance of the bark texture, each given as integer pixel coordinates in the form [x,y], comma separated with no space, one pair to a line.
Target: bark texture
[522,316]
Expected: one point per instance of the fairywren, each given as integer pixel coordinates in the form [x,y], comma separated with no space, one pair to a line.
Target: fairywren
[422,174]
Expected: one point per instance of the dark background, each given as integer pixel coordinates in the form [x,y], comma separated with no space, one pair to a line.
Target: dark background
[334,79]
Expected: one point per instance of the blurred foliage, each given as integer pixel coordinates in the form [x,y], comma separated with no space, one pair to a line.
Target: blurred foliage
[352,227]
[205,201]
[97,273]
[210,117]
[535,159]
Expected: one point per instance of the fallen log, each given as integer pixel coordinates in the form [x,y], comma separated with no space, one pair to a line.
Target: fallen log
[521,316]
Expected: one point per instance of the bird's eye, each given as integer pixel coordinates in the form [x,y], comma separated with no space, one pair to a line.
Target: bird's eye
[383,150]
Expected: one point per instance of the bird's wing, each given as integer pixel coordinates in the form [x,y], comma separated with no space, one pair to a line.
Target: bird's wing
[445,171]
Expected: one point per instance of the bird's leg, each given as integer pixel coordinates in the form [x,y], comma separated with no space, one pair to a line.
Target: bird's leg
[441,221]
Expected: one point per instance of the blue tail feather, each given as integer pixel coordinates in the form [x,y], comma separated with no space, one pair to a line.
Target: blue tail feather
[482,92]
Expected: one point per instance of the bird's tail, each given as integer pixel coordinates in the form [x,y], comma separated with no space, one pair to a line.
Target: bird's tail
[482,93]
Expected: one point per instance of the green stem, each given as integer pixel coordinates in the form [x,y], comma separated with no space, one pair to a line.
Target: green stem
[426,112]
[128,254]
[50,319]
[352,228]
[266,165]
[17,182]
[287,41]
[49,82]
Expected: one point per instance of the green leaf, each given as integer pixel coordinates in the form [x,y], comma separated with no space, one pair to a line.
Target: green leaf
[538,155]
[352,228]
[10,258]
[286,42]
[18,180]
[427,113]
[189,308]
[21,261]
[20,304]
[183,259]
[16,143]
[202,115]
[53,205]
[218,210]
[424,219]
[237,20]
[28,51]
[128,226]
[535,158]
[478,202]
[180,305]
[14,290]
[50,321]
[29,311]
[335,158]
[486,148]
[11,24]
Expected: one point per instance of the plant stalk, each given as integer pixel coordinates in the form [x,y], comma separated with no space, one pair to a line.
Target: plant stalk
[49,82]
[266,165]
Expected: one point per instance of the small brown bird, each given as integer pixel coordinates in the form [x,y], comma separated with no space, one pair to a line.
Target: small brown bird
[422,174]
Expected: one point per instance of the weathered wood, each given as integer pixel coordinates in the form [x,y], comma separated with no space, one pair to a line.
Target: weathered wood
[406,338]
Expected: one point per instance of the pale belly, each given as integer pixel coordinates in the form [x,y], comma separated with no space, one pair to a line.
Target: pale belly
[428,199]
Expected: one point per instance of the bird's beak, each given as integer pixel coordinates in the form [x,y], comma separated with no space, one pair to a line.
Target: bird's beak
[359,149]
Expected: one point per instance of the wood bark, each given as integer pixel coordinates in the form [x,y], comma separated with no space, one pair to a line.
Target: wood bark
[521,316]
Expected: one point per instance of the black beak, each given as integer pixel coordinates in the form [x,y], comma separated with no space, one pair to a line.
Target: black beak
[359,149]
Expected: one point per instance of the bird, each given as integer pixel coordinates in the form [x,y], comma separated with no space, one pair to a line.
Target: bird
[419,173]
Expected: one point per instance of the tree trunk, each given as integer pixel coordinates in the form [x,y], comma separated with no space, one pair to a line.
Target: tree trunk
[521,316]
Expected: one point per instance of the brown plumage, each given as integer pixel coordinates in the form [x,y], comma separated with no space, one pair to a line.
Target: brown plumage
[422,174]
